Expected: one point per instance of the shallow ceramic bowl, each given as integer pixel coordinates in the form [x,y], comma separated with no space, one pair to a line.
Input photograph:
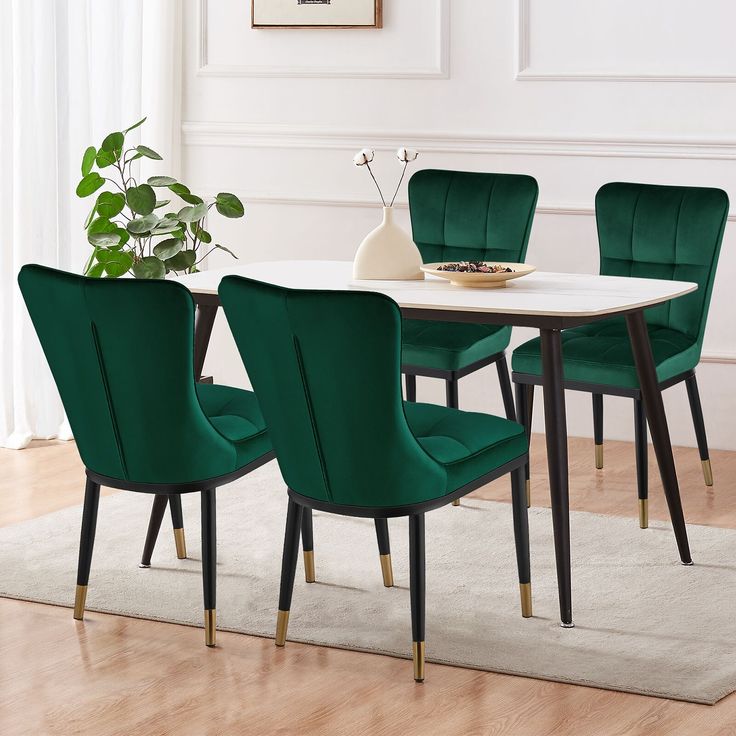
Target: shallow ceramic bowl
[481,280]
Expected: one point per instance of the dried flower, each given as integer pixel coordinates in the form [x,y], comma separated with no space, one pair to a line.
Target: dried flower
[363,157]
[406,155]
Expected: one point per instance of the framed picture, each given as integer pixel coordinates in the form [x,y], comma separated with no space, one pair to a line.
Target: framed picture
[316,14]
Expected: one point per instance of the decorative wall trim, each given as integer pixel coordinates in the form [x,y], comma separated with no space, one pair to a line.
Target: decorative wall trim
[440,70]
[256,135]
[525,73]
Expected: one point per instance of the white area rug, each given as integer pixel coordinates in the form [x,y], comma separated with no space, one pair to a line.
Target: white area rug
[644,623]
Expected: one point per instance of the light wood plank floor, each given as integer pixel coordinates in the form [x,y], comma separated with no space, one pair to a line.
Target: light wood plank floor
[115,675]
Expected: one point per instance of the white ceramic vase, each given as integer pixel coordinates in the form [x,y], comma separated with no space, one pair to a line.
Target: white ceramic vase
[388,253]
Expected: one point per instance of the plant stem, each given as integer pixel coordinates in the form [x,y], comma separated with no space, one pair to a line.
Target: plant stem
[403,171]
[370,171]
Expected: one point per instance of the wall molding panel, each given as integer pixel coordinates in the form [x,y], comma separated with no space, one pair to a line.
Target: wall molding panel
[256,135]
[440,70]
[525,72]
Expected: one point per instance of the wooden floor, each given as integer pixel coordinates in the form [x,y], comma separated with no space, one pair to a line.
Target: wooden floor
[115,675]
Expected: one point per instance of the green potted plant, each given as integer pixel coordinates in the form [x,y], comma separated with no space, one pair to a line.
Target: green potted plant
[123,227]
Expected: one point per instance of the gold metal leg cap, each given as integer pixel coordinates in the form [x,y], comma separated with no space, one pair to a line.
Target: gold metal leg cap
[282,624]
[707,473]
[456,502]
[526,599]
[599,457]
[210,626]
[309,566]
[643,513]
[387,570]
[79,600]
[181,544]
[528,493]
[417,653]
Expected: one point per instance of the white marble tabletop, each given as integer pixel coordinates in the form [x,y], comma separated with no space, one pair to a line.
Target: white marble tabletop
[539,293]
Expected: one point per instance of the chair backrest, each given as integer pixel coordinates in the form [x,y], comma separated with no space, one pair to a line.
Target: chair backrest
[325,366]
[664,232]
[459,215]
[122,355]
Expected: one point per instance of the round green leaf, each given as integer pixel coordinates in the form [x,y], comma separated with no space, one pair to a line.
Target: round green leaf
[119,263]
[149,267]
[200,232]
[104,159]
[167,248]
[113,143]
[229,205]
[96,271]
[142,199]
[161,203]
[101,225]
[193,214]
[89,184]
[183,192]
[166,226]
[104,240]
[135,125]
[161,181]
[149,153]
[183,260]
[88,160]
[110,204]
[142,225]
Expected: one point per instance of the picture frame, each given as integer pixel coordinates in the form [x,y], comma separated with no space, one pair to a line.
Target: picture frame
[320,14]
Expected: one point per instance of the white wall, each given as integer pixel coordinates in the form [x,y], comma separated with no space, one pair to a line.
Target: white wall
[573,92]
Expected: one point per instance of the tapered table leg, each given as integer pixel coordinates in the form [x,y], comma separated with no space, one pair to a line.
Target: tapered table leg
[555,425]
[654,407]
[203,323]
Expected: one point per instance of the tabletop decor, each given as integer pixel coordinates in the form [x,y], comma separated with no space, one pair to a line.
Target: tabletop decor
[388,252]
[126,234]
[478,274]
[316,14]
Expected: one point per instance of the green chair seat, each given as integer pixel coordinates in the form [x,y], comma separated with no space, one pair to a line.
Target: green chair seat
[237,417]
[467,444]
[450,346]
[600,353]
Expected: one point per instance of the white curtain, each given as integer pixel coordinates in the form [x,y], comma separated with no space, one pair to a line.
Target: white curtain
[71,71]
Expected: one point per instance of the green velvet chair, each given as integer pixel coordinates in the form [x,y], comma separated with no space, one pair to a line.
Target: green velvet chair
[326,368]
[122,355]
[644,231]
[457,215]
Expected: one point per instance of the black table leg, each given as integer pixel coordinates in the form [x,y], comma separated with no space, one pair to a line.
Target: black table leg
[654,407]
[203,323]
[555,425]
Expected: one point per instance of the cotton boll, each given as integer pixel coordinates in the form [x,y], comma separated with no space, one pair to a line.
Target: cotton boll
[406,155]
[363,157]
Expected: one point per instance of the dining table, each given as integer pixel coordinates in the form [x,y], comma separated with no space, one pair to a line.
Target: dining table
[548,302]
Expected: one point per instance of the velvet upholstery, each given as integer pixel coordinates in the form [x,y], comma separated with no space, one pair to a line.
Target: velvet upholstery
[458,215]
[326,369]
[122,355]
[646,231]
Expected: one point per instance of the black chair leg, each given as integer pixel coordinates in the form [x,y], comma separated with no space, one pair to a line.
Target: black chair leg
[86,544]
[177,521]
[384,551]
[308,545]
[598,429]
[288,569]
[642,463]
[521,539]
[417,592]
[452,402]
[411,387]
[158,509]
[209,565]
[524,404]
[696,410]
[506,392]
